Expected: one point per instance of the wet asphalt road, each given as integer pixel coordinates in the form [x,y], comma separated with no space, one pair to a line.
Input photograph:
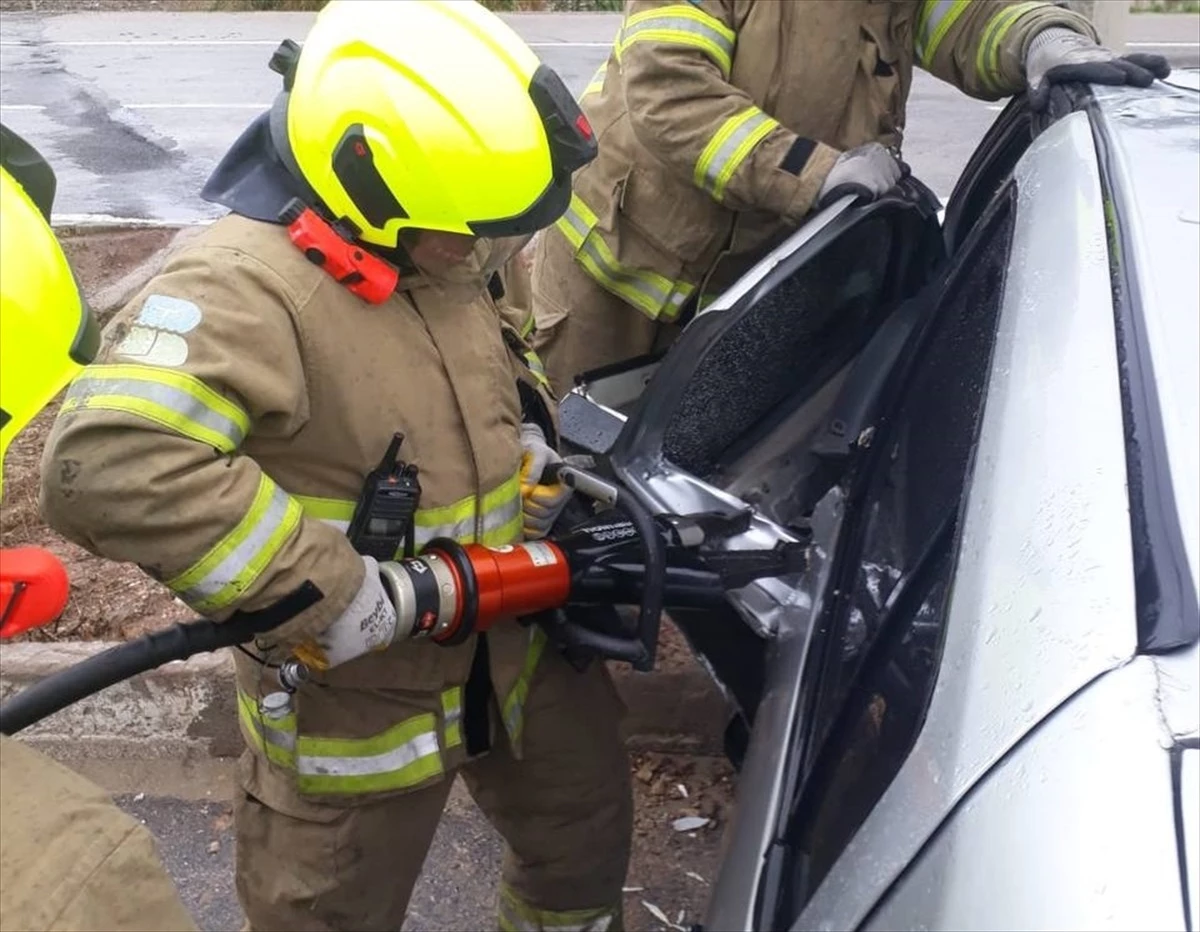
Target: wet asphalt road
[135,109]
[457,890]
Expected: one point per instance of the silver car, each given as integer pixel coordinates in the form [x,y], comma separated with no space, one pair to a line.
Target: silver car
[979,705]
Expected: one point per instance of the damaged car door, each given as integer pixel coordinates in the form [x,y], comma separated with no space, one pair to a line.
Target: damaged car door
[835,392]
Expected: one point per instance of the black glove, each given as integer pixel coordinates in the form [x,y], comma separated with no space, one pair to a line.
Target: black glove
[1060,56]
[866,171]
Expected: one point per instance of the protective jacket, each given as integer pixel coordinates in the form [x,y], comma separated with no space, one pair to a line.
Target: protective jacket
[220,442]
[70,859]
[718,121]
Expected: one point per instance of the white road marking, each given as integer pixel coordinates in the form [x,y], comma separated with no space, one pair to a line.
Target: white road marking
[89,220]
[167,43]
[196,106]
[157,106]
[110,43]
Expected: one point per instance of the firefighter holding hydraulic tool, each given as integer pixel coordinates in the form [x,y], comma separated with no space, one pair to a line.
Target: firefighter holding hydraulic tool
[320,382]
[69,858]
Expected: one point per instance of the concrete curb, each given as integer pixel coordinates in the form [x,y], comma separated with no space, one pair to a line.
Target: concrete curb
[185,711]
[116,295]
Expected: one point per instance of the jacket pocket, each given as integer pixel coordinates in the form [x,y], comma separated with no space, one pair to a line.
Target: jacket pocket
[413,667]
[679,221]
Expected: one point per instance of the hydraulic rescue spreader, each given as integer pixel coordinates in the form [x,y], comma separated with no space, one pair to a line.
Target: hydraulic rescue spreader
[619,556]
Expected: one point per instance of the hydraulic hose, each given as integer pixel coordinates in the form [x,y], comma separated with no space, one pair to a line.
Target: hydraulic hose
[118,663]
[181,641]
[654,553]
[654,557]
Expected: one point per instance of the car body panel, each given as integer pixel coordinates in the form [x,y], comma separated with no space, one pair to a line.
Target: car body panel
[1075,830]
[1179,693]
[1151,139]
[1040,658]
[763,778]
[1043,595]
[1189,826]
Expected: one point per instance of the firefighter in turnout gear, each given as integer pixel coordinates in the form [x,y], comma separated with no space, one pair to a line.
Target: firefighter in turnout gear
[69,858]
[240,400]
[723,123]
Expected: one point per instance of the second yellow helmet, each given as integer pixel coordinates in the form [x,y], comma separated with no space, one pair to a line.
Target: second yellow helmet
[431,114]
[47,332]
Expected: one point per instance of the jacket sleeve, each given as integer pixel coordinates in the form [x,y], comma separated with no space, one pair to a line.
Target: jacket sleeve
[675,59]
[145,463]
[979,45]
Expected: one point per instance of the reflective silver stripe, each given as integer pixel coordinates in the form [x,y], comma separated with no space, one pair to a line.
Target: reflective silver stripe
[623,277]
[244,553]
[719,160]
[937,11]
[398,758]
[577,223]
[679,24]
[493,520]
[276,736]
[173,399]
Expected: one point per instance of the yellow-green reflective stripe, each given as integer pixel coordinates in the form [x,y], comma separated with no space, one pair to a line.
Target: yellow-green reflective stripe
[728,149]
[275,738]
[987,59]
[333,510]
[681,25]
[534,363]
[452,715]
[577,222]
[935,21]
[515,914]
[499,513]
[651,293]
[402,756]
[175,400]
[654,295]
[514,704]
[527,326]
[646,291]
[223,574]
[596,85]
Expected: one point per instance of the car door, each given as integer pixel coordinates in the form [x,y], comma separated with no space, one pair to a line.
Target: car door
[759,404]
[807,394]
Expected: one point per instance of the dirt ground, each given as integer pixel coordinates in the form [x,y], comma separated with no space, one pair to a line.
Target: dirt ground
[112,601]
[675,869]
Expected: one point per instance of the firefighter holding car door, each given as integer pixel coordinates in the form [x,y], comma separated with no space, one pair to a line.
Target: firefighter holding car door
[228,437]
[723,123]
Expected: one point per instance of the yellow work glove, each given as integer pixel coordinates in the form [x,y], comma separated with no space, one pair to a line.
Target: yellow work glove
[540,504]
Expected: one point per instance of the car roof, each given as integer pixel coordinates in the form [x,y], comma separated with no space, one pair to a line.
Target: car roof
[1155,134]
